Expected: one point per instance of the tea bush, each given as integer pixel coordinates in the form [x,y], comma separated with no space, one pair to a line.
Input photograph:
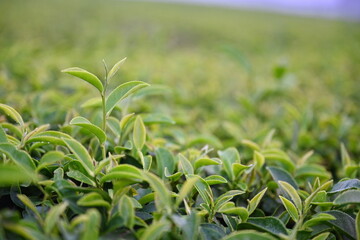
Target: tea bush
[206,145]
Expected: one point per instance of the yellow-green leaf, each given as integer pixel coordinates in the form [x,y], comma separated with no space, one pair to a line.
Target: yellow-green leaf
[86,76]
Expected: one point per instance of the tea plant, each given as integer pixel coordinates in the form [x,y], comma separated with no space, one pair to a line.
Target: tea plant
[108,176]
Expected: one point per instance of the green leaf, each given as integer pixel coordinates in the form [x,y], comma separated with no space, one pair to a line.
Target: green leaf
[312,170]
[206,161]
[157,118]
[228,208]
[186,189]
[343,223]
[81,154]
[115,68]
[224,198]
[53,137]
[254,202]
[52,217]
[123,172]
[204,190]
[345,158]
[290,208]
[248,235]
[291,191]
[27,232]
[79,176]
[93,199]
[345,185]
[310,198]
[126,211]
[139,133]
[348,197]
[155,230]
[322,236]
[164,159]
[28,203]
[86,76]
[259,159]
[3,138]
[12,113]
[21,158]
[279,174]
[211,231]
[122,92]
[229,157]
[279,157]
[13,174]
[215,179]
[268,224]
[185,165]
[238,168]
[83,122]
[92,225]
[50,158]
[318,218]
[95,102]
[162,194]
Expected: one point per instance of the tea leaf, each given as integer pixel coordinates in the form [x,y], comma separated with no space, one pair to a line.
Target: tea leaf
[21,158]
[93,199]
[345,185]
[126,211]
[282,175]
[13,174]
[79,176]
[290,208]
[3,138]
[123,172]
[52,217]
[229,157]
[155,230]
[92,225]
[269,224]
[247,235]
[316,219]
[122,92]
[254,202]
[115,68]
[163,197]
[348,197]
[204,190]
[81,154]
[185,165]
[50,158]
[343,223]
[83,122]
[86,76]
[164,159]
[291,191]
[206,161]
[186,189]
[215,179]
[12,113]
[139,133]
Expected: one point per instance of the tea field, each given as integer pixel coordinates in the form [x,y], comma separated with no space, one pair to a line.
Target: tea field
[135,120]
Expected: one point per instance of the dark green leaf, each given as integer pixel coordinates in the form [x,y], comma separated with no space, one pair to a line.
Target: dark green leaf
[279,174]
[164,159]
[343,223]
[21,158]
[268,224]
[344,185]
[248,235]
[348,197]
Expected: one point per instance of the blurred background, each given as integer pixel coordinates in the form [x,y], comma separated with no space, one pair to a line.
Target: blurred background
[220,69]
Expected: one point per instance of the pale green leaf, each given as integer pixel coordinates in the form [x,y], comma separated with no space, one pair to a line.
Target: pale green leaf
[12,113]
[254,202]
[83,122]
[81,154]
[139,133]
[290,208]
[52,217]
[122,92]
[86,76]
[115,68]
[291,191]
